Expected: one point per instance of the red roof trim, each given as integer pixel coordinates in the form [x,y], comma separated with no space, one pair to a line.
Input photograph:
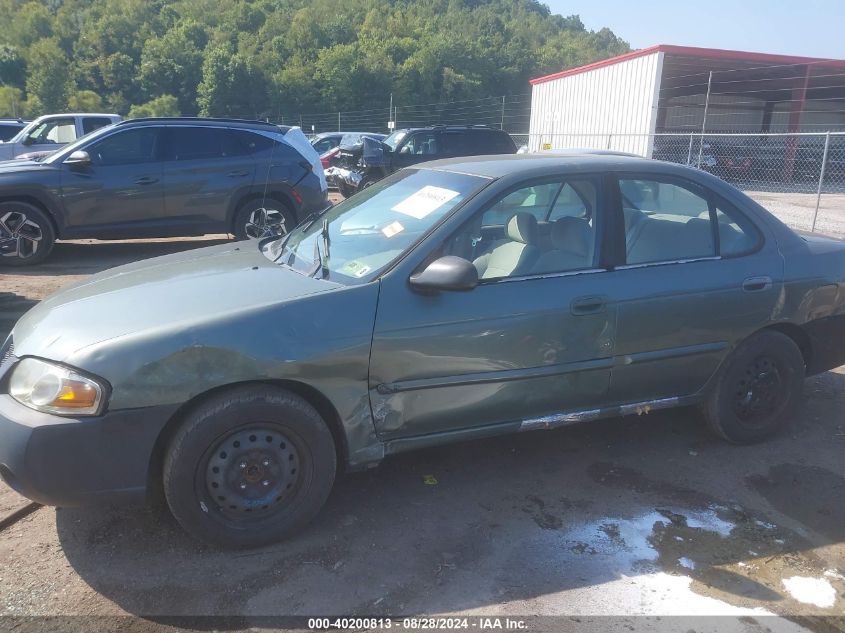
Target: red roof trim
[692,51]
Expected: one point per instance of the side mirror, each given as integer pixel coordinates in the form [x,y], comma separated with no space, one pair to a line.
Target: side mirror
[447,273]
[405,150]
[79,157]
[27,141]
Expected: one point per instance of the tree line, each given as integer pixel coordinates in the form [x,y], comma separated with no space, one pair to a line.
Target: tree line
[277,58]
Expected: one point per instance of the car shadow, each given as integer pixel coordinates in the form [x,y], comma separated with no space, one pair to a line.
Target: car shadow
[512,518]
[91,256]
[12,306]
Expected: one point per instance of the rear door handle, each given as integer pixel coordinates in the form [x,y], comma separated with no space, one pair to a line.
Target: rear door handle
[757,284]
[588,305]
[146,180]
[237,174]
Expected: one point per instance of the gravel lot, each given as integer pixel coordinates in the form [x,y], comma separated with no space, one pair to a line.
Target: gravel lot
[638,515]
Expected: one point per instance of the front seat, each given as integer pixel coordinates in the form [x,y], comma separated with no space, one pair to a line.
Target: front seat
[571,247]
[515,255]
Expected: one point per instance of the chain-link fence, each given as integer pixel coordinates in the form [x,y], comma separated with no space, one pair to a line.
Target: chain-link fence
[799,177]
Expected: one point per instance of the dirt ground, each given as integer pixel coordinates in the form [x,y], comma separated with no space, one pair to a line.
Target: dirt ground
[639,515]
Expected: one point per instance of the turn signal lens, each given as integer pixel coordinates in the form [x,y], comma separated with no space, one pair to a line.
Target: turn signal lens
[50,388]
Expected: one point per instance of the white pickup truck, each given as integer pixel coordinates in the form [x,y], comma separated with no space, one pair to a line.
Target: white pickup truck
[49,132]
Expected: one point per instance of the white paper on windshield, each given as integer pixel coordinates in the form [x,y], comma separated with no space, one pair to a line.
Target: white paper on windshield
[421,203]
[393,229]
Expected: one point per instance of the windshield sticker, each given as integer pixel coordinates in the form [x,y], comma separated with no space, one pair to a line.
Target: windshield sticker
[421,203]
[393,229]
[356,268]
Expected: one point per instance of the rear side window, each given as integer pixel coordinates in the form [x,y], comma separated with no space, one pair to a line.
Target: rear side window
[89,124]
[203,143]
[492,142]
[246,142]
[126,147]
[668,222]
[454,143]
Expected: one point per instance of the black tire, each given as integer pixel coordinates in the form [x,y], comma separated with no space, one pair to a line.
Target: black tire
[217,464]
[26,234]
[345,190]
[251,223]
[758,389]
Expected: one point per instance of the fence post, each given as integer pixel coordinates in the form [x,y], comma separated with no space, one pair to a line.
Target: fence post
[821,180]
[704,119]
[689,151]
[502,126]
[338,121]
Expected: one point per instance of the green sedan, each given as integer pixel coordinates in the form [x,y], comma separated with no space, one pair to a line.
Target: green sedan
[463,298]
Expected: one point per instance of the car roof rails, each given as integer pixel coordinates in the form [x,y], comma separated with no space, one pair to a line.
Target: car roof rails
[188,119]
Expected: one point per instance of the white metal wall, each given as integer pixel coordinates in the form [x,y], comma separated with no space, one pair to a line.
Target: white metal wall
[577,111]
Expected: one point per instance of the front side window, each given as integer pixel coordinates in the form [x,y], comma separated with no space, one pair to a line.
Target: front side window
[667,222]
[423,144]
[525,232]
[127,147]
[53,132]
[358,238]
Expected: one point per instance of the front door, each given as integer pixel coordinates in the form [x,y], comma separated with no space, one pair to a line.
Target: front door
[121,190]
[698,277]
[533,339]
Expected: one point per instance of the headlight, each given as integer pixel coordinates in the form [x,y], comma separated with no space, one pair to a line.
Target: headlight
[52,388]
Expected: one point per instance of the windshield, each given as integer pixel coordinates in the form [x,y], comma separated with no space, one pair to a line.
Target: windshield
[394,139]
[370,230]
[68,149]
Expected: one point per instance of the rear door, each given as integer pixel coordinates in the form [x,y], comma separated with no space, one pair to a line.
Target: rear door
[697,276]
[205,170]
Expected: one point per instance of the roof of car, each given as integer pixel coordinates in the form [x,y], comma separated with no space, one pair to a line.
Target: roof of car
[496,166]
[453,127]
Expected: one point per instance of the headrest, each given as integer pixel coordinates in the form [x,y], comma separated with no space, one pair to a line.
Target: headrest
[571,235]
[522,227]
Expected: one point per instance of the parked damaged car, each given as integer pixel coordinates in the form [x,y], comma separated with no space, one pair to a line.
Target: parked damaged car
[344,164]
[458,299]
[408,147]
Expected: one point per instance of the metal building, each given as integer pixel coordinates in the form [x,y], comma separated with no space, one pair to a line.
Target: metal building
[622,102]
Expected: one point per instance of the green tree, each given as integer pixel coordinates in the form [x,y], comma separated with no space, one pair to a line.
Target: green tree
[85,101]
[31,23]
[172,64]
[12,66]
[11,101]
[230,86]
[165,105]
[49,80]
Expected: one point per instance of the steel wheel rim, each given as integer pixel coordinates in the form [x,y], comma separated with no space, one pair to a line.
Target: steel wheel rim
[251,473]
[19,236]
[264,222]
[760,391]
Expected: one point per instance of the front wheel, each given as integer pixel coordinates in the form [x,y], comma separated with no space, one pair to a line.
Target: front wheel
[249,467]
[757,390]
[26,234]
[257,219]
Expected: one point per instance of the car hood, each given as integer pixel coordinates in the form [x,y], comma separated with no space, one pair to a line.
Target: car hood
[14,166]
[164,293]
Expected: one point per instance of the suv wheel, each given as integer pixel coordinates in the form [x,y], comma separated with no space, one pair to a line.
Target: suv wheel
[249,467]
[26,234]
[757,390]
[258,219]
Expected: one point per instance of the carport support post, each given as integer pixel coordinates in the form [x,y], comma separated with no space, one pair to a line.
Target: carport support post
[821,180]
[609,139]
[704,118]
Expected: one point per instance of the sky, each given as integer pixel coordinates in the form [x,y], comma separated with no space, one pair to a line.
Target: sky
[811,28]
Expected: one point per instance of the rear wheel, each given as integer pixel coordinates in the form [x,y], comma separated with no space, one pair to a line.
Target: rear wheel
[260,218]
[26,234]
[249,467]
[758,389]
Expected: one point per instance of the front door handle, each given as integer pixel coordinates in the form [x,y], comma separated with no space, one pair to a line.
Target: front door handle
[237,174]
[757,284]
[588,305]
[146,180]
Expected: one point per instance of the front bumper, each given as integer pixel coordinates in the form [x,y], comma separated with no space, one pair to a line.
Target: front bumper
[63,461]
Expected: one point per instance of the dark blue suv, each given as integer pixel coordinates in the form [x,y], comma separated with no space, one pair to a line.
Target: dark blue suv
[160,178]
